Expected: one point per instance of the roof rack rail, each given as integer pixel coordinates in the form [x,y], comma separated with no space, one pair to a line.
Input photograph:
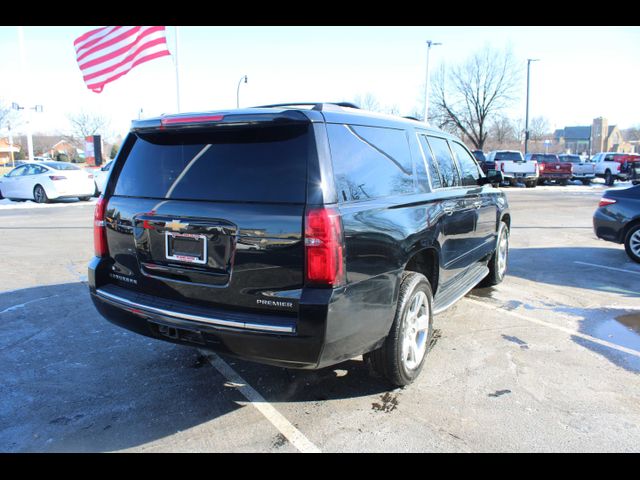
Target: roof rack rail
[320,106]
[409,117]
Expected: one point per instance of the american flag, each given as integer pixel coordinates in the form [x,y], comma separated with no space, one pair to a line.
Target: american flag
[108,53]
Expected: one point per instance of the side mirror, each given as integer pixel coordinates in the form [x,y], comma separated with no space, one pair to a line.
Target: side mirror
[493,176]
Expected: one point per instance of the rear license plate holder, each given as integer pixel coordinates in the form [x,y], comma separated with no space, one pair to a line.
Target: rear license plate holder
[186,247]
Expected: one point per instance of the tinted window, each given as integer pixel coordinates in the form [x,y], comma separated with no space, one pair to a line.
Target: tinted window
[545,158]
[570,158]
[436,182]
[370,162]
[61,166]
[267,164]
[18,171]
[448,172]
[514,156]
[469,172]
[479,154]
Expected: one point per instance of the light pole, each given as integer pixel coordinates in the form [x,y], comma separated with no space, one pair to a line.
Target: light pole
[244,77]
[526,118]
[426,84]
[36,108]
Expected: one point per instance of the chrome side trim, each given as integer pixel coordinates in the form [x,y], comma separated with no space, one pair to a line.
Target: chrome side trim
[194,318]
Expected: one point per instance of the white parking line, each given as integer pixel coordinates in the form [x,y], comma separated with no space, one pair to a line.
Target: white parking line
[608,268]
[297,439]
[604,343]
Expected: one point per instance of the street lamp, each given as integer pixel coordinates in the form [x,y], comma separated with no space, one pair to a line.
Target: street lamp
[35,108]
[526,121]
[244,77]
[426,85]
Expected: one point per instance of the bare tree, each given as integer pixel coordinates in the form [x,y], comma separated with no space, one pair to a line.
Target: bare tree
[367,101]
[392,110]
[467,97]
[631,134]
[538,128]
[84,124]
[8,118]
[502,130]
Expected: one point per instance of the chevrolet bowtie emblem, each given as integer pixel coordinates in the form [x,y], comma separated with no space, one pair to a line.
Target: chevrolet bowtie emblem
[176,225]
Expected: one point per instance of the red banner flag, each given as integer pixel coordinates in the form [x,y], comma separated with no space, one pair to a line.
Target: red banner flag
[108,53]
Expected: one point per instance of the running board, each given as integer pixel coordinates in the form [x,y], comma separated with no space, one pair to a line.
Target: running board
[460,288]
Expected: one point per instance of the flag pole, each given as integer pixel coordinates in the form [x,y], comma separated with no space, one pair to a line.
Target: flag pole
[26,95]
[175,59]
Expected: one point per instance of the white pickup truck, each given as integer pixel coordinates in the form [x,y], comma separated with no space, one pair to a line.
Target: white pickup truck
[514,168]
[614,166]
[585,171]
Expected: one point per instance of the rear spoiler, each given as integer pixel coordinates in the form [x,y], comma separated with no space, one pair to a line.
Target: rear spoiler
[210,119]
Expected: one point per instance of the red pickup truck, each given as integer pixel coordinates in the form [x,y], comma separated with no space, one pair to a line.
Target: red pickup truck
[552,168]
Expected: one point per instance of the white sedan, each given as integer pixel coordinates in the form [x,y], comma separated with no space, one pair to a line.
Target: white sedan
[45,181]
[102,175]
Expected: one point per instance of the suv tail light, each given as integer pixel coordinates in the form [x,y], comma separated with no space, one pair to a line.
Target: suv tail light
[99,231]
[323,247]
[502,167]
[606,201]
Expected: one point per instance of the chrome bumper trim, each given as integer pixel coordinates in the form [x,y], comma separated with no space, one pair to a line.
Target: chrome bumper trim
[194,318]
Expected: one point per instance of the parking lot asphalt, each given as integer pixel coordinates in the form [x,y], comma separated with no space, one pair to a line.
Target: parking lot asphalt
[547,361]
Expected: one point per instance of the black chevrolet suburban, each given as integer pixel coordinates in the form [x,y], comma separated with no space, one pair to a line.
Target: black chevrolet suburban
[296,235]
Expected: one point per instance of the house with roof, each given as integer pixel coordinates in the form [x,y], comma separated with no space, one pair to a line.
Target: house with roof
[6,149]
[591,139]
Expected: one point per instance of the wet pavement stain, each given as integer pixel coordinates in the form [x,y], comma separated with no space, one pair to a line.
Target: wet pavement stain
[437,334]
[482,292]
[621,327]
[631,320]
[200,362]
[615,325]
[65,420]
[280,441]
[389,403]
[522,343]
[499,393]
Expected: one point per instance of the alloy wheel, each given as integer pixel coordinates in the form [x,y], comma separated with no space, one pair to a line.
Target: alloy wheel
[416,331]
[634,243]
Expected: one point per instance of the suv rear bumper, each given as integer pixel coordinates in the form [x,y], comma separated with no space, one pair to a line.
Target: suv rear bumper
[326,330]
[225,336]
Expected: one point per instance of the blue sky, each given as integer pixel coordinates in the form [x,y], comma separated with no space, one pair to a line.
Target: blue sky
[584,72]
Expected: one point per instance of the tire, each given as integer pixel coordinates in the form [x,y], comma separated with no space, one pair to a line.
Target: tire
[586,181]
[84,199]
[608,178]
[541,181]
[564,182]
[40,195]
[632,243]
[531,184]
[402,355]
[1,197]
[498,262]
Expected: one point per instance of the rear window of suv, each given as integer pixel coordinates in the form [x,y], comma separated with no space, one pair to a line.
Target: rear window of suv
[513,156]
[252,164]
